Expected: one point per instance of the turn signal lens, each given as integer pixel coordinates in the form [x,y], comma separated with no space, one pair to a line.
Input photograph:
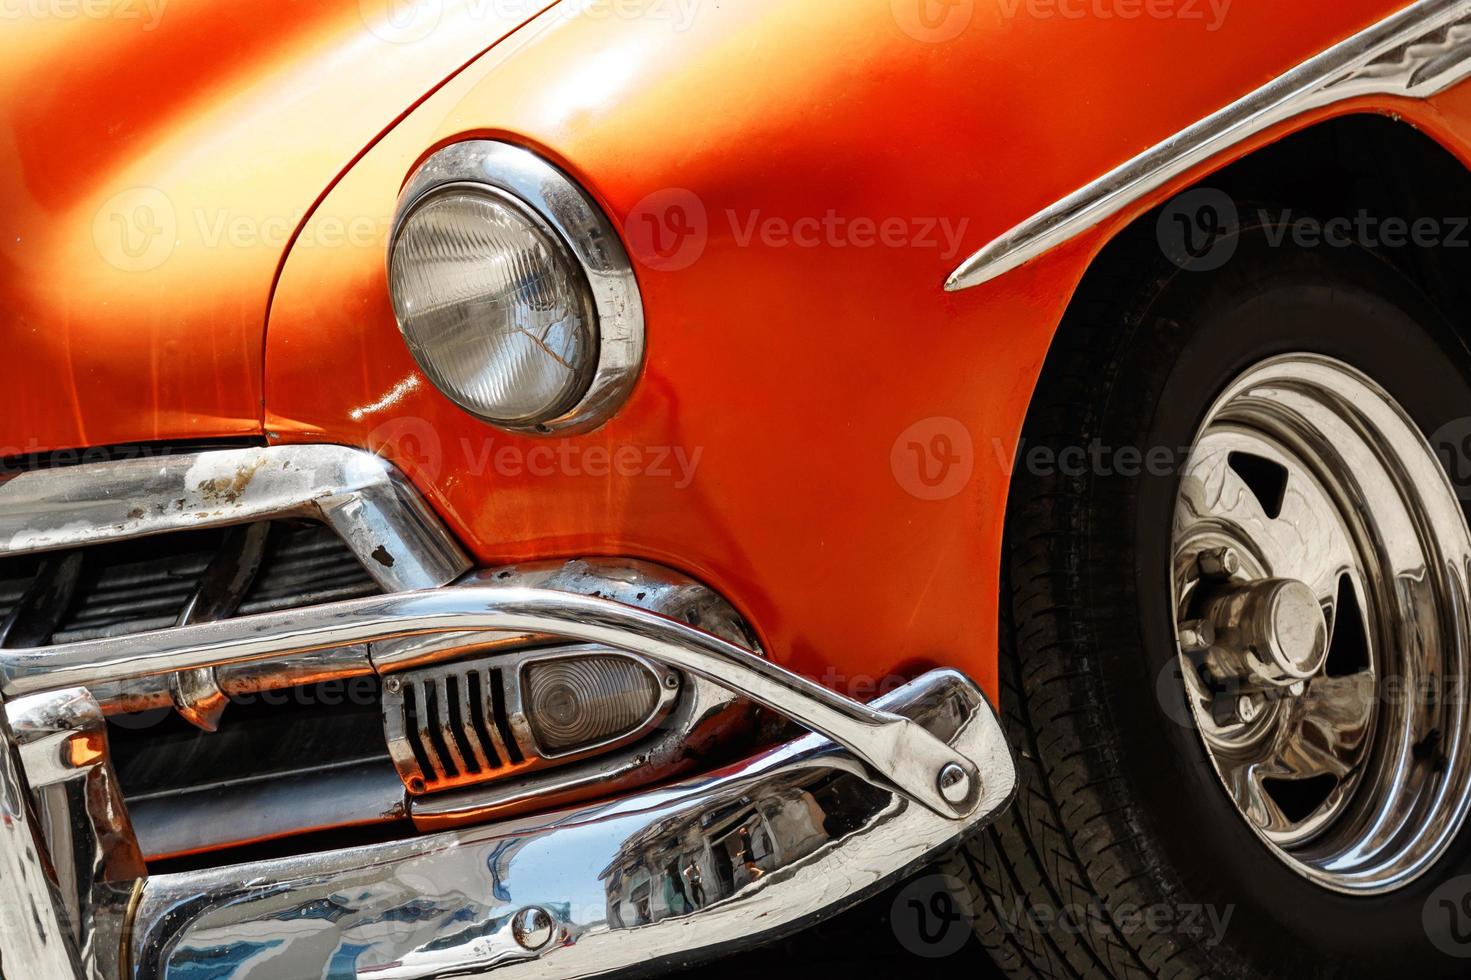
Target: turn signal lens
[494,308]
[580,702]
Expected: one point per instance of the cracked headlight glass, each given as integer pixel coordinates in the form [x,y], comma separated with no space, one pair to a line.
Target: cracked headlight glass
[494,307]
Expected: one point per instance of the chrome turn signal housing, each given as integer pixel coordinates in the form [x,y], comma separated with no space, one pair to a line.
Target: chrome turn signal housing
[477,721]
[513,291]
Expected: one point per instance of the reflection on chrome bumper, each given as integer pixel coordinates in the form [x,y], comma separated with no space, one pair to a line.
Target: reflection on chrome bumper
[675,872]
[685,871]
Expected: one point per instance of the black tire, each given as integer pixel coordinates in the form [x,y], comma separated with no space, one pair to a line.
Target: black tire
[1122,840]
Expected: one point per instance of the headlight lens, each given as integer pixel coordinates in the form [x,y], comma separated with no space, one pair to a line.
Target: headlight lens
[513,290]
[494,308]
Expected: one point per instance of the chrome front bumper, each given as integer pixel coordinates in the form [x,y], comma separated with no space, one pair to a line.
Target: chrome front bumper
[673,873]
[652,880]
[649,877]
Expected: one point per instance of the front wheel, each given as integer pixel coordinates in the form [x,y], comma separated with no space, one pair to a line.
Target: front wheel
[1237,635]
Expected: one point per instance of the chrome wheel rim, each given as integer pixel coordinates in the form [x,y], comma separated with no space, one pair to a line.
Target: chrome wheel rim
[1320,565]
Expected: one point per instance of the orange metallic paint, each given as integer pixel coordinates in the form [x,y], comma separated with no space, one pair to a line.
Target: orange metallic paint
[155,159]
[790,389]
[801,376]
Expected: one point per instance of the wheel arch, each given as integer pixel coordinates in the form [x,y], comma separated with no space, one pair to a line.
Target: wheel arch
[1375,164]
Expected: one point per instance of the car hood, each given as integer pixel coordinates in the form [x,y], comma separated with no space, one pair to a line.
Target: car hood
[156,160]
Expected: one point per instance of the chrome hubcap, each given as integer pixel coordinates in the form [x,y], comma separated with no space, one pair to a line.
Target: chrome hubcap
[1320,564]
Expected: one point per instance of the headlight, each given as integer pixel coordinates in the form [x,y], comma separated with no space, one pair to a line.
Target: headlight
[513,291]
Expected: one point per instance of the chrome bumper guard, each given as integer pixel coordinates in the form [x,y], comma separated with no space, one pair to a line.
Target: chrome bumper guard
[668,874]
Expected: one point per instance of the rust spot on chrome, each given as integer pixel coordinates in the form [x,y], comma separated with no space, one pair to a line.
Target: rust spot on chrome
[382,557]
[227,489]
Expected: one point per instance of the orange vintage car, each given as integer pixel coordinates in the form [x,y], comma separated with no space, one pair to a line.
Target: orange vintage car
[544,489]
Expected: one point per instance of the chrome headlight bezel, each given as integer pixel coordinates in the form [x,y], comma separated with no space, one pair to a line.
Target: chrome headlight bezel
[544,193]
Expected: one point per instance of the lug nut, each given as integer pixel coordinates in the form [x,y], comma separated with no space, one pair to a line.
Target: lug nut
[1197,635]
[1219,562]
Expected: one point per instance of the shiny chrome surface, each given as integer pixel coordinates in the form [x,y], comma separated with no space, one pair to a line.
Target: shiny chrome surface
[1418,52]
[705,718]
[382,519]
[485,733]
[555,198]
[255,677]
[267,808]
[197,694]
[36,938]
[903,752]
[90,847]
[640,584]
[1320,579]
[668,875]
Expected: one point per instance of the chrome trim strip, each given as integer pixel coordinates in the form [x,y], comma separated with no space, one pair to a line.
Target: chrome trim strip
[916,762]
[379,515]
[557,199]
[1416,53]
[680,873]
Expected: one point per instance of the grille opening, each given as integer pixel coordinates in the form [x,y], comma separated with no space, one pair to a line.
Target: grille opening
[117,453]
[265,735]
[457,728]
[128,587]
[437,747]
[478,722]
[411,713]
[503,718]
